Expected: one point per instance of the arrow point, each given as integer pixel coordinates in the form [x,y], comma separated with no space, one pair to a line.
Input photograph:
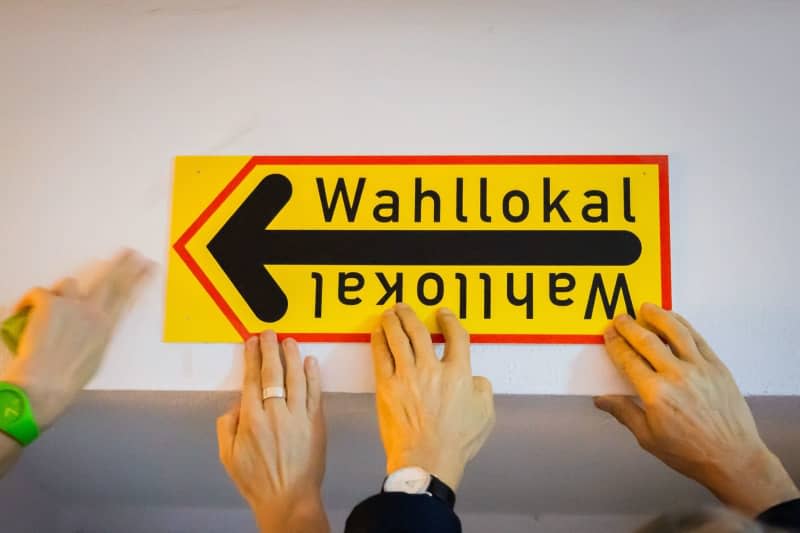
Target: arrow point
[232,247]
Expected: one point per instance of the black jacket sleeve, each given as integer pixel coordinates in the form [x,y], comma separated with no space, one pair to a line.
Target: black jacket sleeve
[397,512]
[785,515]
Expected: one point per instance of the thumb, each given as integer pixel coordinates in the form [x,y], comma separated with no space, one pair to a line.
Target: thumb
[481,384]
[483,387]
[627,412]
[227,425]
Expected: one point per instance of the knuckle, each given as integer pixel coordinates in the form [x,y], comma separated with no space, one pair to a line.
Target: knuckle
[650,341]
[690,373]
[251,421]
[682,332]
[455,325]
[629,363]
[653,392]
[397,386]
[724,371]
[617,347]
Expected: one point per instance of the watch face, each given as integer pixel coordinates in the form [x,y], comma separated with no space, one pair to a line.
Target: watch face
[10,406]
[411,480]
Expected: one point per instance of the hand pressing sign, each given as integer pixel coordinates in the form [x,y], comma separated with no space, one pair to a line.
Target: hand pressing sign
[432,414]
[272,444]
[692,415]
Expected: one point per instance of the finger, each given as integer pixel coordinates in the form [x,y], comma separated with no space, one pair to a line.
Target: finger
[295,377]
[67,288]
[676,334]
[456,339]
[227,425]
[272,374]
[398,342]
[381,356]
[647,344]
[627,360]
[627,413]
[702,346]
[251,389]
[112,290]
[37,297]
[418,334]
[314,386]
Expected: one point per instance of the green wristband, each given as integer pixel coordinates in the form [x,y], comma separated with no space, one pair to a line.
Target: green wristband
[12,328]
[16,416]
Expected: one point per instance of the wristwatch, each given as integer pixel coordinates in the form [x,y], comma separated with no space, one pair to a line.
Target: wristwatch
[416,480]
[16,416]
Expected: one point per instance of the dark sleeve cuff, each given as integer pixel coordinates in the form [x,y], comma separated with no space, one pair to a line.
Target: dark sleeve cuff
[397,512]
[785,515]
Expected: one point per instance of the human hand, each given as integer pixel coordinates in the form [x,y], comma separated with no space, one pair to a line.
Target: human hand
[692,415]
[274,449]
[432,414]
[67,333]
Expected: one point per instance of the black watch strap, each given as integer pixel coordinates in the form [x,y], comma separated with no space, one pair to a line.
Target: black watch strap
[439,489]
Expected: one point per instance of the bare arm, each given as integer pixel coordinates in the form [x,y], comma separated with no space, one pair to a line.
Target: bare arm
[65,339]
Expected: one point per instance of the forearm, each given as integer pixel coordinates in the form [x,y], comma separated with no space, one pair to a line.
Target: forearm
[10,451]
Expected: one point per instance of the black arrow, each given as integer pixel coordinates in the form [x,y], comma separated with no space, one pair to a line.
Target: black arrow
[243,247]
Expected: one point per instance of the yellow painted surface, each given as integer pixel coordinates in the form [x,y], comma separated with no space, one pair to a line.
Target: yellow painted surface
[192,315]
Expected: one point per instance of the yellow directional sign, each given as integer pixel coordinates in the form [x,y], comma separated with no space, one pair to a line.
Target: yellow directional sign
[522,248]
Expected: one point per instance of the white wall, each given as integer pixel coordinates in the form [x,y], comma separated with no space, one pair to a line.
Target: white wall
[97,97]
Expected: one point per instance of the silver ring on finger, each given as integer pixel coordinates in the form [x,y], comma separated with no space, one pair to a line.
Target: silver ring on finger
[270,393]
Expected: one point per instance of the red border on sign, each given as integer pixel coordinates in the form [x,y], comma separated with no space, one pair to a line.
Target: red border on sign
[663,176]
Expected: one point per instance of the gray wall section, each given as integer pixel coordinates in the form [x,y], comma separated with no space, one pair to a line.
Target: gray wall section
[150,459]
[209,520]
[25,503]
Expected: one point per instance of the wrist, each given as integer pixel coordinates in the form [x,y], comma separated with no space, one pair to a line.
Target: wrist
[754,484]
[448,468]
[295,514]
[44,402]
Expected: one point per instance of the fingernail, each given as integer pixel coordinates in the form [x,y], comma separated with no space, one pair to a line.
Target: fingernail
[312,361]
[445,311]
[623,318]
[269,336]
[252,340]
[610,332]
[289,342]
